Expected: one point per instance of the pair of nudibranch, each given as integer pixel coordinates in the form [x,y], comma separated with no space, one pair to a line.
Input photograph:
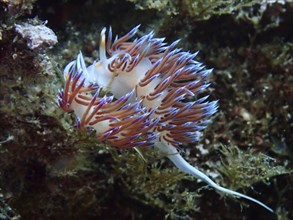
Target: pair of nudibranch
[142,93]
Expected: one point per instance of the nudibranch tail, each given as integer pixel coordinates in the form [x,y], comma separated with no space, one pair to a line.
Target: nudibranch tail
[185,167]
[142,93]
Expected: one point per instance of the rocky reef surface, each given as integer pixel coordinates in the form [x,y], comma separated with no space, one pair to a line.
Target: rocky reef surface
[50,170]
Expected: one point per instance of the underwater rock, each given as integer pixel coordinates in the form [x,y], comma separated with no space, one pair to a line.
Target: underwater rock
[37,36]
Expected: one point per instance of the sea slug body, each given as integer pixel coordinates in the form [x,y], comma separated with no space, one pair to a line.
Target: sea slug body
[154,97]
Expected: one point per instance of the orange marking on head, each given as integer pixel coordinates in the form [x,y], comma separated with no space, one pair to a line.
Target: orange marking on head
[67,77]
[99,64]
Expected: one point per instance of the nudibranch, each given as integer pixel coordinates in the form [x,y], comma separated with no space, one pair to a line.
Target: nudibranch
[142,93]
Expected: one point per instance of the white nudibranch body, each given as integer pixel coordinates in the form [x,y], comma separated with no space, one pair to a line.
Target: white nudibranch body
[154,99]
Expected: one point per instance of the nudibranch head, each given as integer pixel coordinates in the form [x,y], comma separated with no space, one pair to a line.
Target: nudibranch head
[121,124]
[151,92]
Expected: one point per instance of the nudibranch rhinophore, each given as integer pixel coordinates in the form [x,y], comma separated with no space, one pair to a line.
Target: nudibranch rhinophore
[142,93]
